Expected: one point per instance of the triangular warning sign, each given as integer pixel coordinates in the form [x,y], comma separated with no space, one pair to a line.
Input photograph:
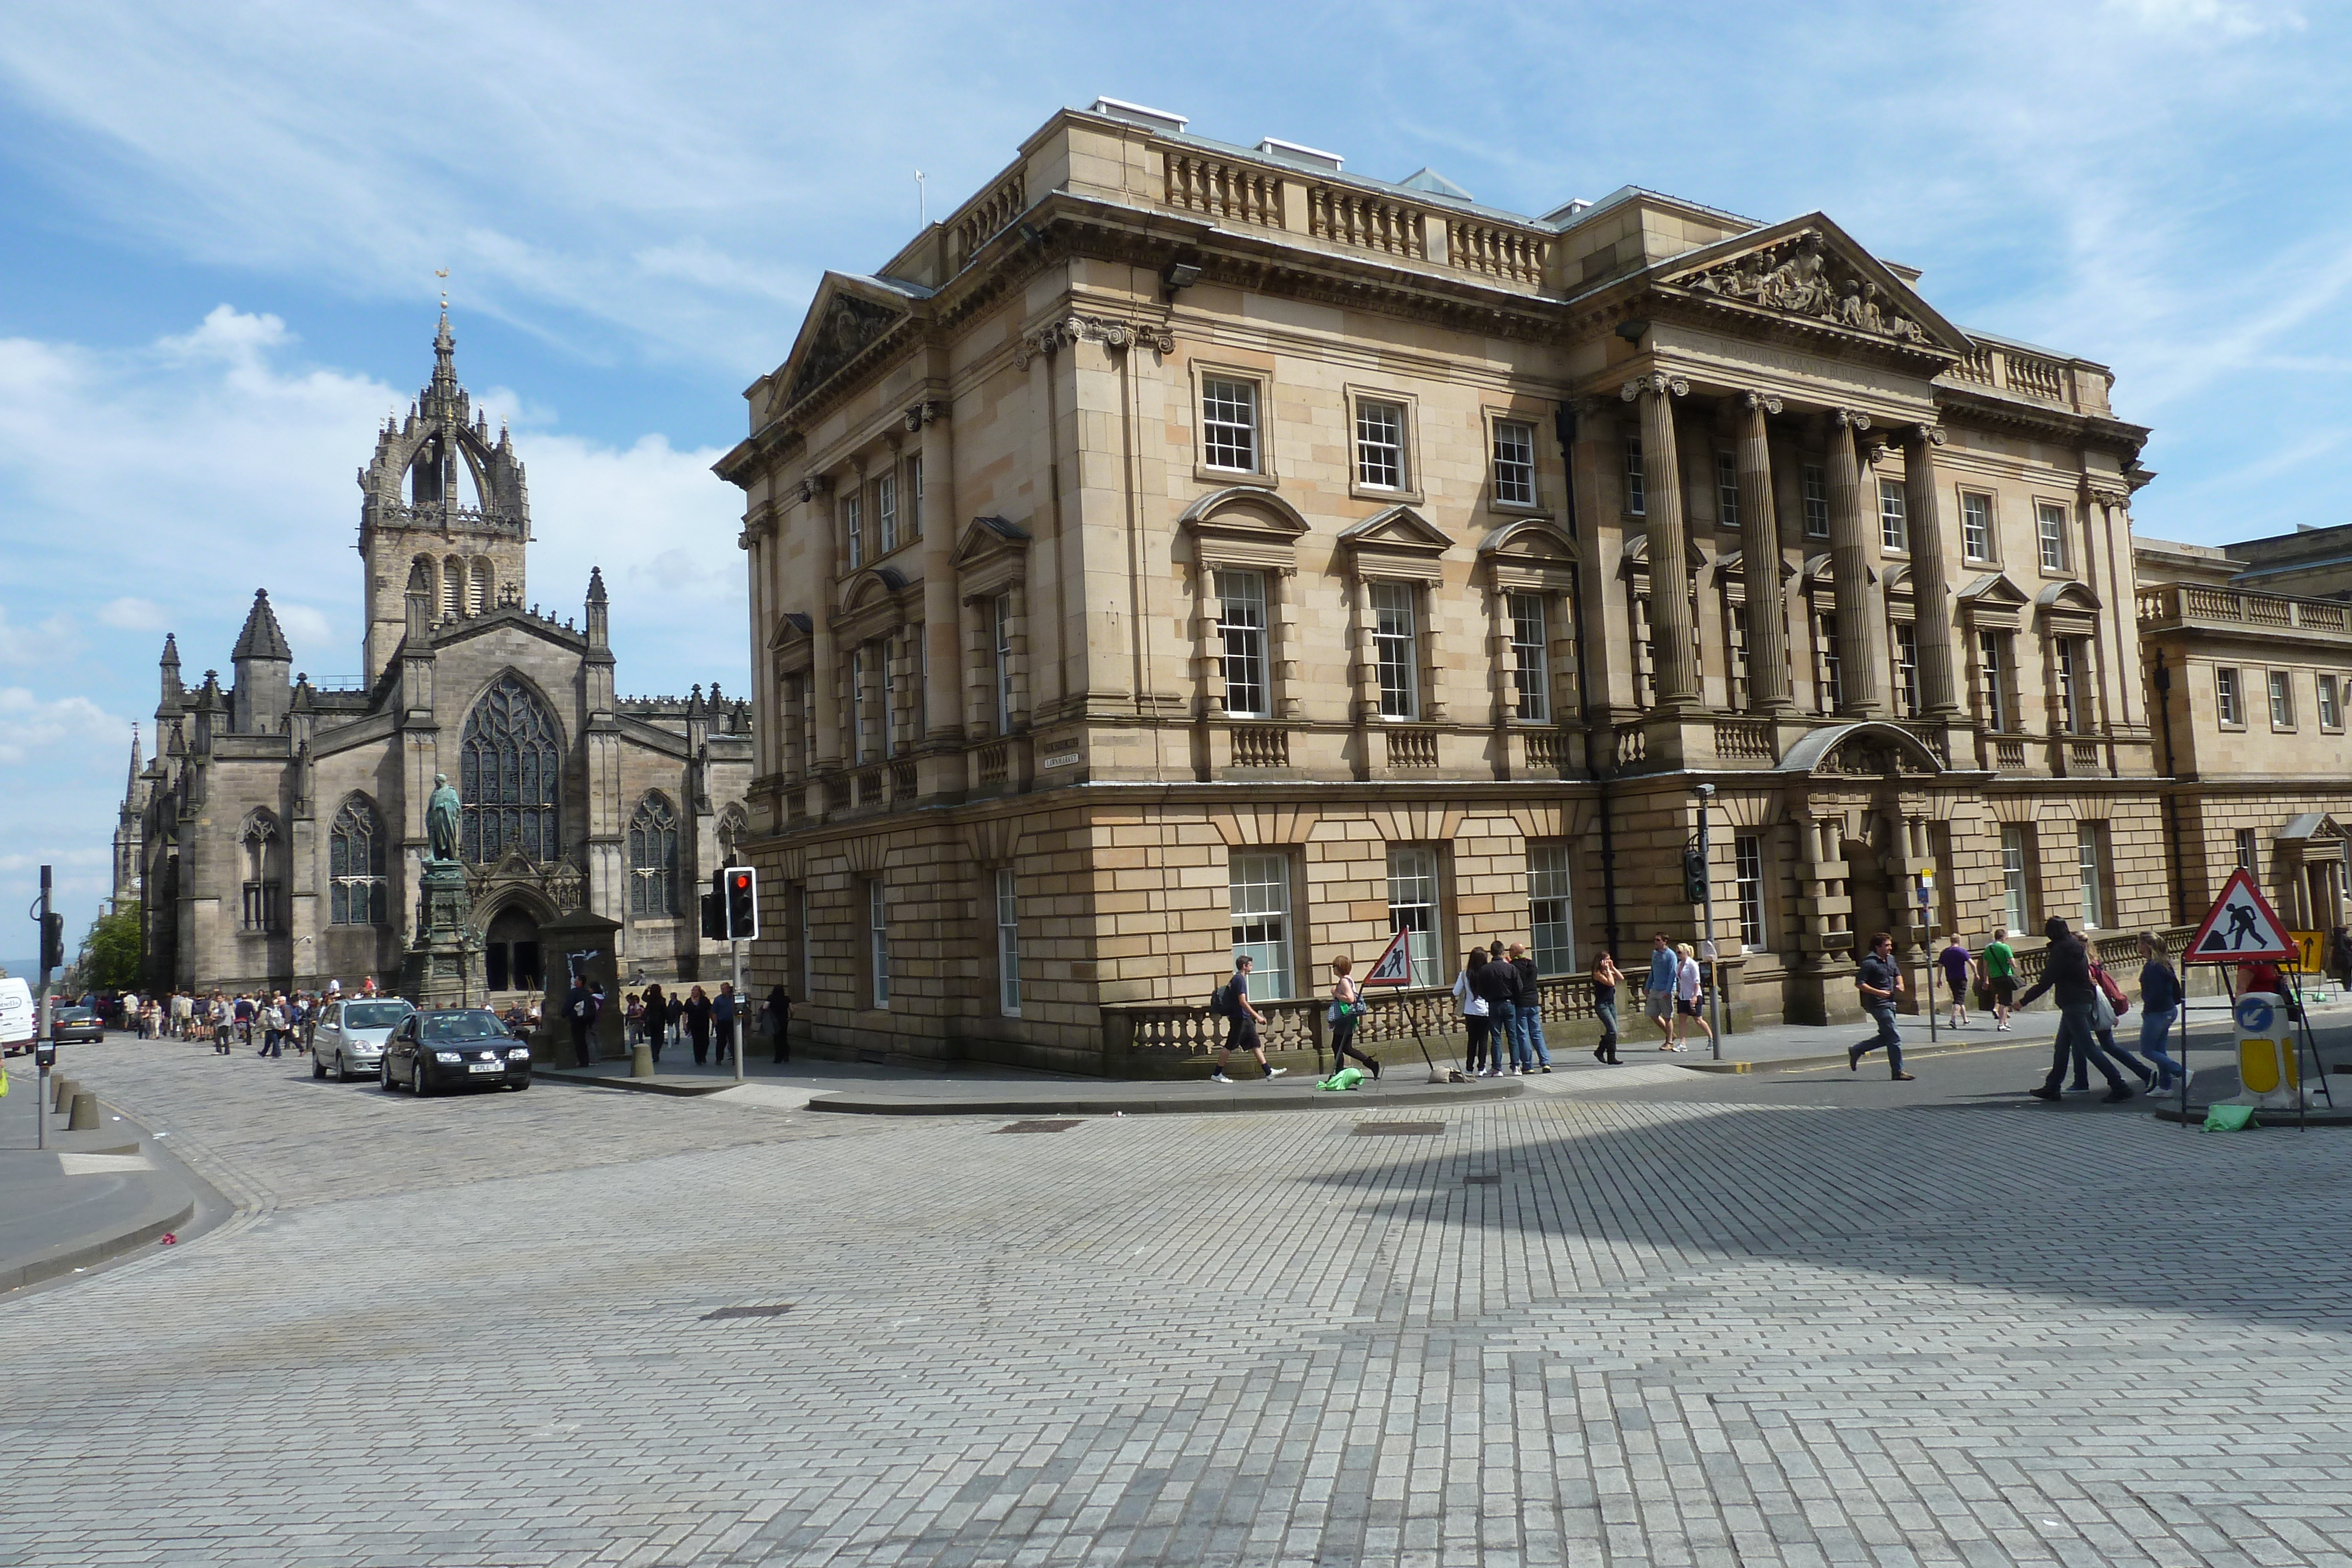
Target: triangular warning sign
[1393,966]
[2242,925]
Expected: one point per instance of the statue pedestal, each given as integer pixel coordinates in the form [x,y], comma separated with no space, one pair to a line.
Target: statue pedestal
[437,971]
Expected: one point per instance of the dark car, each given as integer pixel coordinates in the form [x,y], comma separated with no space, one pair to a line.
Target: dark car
[76,1023]
[454,1047]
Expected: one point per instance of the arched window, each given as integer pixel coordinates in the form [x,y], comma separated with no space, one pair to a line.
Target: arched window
[731,829]
[653,858]
[509,775]
[453,586]
[258,851]
[358,894]
[477,586]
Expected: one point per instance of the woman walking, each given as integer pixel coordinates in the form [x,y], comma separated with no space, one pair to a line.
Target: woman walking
[655,1022]
[697,1024]
[1346,1010]
[1686,989]
[1474,1021]
[1957,963]
[2161,996]
[1606,979]
[778,1017]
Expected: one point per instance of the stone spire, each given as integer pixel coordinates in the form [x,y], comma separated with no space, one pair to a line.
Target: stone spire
[261,638]
[136,764]
[444,398]
[171,692]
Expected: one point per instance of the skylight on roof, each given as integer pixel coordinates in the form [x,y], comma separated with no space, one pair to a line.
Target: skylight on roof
[1137,114]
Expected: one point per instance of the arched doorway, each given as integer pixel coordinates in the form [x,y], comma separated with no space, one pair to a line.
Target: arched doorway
[1866,884]
[511,957]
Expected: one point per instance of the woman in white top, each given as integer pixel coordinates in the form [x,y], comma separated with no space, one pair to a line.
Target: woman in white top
[1473,1008]
[1686,988]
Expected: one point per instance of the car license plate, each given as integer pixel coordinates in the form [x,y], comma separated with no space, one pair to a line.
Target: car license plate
[486,1067]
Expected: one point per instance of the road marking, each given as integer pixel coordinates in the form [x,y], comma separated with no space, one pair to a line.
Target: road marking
[100,1164]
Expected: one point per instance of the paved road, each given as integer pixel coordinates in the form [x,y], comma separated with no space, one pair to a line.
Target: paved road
[1796,1318]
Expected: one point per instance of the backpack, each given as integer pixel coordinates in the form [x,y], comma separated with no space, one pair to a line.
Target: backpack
[2115,992]
[1221,1001]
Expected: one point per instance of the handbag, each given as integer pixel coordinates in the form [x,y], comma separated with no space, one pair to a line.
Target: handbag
[2103,1012]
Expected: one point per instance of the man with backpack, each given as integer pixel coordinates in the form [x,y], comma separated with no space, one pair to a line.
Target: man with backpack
[581,1006]
[1232,1003]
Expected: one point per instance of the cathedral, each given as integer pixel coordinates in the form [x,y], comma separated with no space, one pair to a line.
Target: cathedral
[277,836]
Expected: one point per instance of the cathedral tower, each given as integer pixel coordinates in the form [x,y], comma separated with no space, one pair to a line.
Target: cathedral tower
[440,496]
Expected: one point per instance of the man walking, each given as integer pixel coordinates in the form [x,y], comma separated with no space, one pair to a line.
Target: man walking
[1529,1051]
[2001,975]
[1242,1021]
[580,1008]
[722,1022]
[2066,969]
[1880,983]
[1658,991]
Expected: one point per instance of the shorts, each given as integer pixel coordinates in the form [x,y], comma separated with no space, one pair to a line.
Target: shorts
[1959,983]
[2004,987]
[1689,1008]
[1661,1005]
[1240,1034]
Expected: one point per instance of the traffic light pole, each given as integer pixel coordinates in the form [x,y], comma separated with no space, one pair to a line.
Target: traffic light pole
[736,1024]
[45,1048]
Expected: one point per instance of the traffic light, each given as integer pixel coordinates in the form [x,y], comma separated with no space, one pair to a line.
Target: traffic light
[1694,875]
[742,903]
[53,941]
[714,909]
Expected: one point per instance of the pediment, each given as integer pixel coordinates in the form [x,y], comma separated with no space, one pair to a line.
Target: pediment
[792,627]
[1994,590]
[1530,541]
[1397,528]
[1247,512]
[2311,827]
[1870,749]
[1807,267]
[1637,554]
[1733,564]
[875,585]
[2068,598]
[846,318]
[987,537]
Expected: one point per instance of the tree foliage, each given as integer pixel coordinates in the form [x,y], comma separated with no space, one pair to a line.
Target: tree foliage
[111,952]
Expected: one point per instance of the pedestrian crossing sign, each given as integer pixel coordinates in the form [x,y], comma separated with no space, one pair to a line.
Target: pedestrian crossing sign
[1393,966]
[2240,925]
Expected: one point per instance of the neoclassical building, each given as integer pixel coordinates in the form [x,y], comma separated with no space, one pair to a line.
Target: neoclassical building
[1187,547]
[277,835]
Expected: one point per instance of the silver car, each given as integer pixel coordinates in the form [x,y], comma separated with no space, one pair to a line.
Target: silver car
[348,1040]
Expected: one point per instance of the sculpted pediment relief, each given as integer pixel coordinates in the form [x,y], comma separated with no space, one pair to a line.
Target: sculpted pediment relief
[1869,749]
[841,326]
[1811,269]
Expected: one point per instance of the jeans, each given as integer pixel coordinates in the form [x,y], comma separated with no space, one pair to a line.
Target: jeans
[2155,1029]
[1528,1042]
[2103,1045]
[1882,1015]
[1502,1038]
[2077,1033]
[1607,1013]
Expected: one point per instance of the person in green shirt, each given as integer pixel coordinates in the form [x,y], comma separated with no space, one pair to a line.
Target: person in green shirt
[2000,971]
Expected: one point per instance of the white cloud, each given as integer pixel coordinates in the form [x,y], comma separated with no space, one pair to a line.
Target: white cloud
[133,615]
[31,727]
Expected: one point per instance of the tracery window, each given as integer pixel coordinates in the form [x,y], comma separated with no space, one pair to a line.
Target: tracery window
[264,889]
[653,858]
[510,775]
[358,894]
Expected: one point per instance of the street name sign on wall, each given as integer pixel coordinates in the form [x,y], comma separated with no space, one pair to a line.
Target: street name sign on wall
[2240,925]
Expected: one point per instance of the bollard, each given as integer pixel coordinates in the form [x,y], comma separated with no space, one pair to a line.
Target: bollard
[85,1114]
[641,1061]
[63,1090]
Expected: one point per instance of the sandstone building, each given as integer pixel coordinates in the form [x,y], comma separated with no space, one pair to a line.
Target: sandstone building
[1187,547]
[277,835]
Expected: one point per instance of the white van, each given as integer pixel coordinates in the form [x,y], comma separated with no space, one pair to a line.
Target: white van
[18,1021]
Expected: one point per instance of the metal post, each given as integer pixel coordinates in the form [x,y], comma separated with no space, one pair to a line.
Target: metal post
[735,1025]
[1927,913]
[42,1025]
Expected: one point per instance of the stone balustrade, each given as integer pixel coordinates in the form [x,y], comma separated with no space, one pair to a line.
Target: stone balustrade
[2176,604]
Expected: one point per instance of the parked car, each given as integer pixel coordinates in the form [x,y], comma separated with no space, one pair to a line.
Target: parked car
[453,1047]
[346,1037]
[76,1023]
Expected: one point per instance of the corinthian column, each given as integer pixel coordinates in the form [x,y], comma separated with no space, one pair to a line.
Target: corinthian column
[1760,557]
[1938,692]
[1850,540]
[1661,488]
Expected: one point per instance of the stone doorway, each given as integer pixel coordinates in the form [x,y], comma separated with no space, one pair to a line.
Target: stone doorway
[511,960]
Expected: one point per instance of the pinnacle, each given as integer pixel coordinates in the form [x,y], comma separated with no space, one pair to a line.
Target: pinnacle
[262,638]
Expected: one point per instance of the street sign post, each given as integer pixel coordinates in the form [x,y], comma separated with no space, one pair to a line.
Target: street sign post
[2242,927]
[1393,966]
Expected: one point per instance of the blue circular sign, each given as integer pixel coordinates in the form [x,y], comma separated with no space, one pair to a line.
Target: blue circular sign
[2254,1016]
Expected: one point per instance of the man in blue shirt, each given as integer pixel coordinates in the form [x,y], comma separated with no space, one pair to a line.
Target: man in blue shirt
[1880,983]
[1658,991]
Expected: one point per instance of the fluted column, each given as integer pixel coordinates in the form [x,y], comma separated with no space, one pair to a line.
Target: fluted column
[1851,538]
[942,656]
[1662,483]
[1932,603]
[1759,555]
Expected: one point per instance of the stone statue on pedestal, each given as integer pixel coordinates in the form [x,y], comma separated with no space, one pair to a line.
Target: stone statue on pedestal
[443,812]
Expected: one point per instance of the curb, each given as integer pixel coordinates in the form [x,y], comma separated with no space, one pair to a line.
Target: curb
[1838,1058]
[1150,1105]
[66,1257]
[641,1085]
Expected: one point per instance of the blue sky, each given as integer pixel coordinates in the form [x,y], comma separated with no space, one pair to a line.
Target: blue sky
[225,220]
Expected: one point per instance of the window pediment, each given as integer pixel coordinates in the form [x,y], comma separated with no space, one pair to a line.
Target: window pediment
[1396,542]
[1530,553]
[991,554]
[1245,525]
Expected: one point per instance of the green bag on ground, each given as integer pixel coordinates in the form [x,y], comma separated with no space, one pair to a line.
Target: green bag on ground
[1346,1078]
[2229,1118]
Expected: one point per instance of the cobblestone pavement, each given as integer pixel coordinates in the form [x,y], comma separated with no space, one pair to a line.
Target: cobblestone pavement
[1811,1321]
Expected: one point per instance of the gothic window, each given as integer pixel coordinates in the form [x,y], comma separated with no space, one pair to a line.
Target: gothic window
[258,849]
[731,829]
[453,587]
[510,775]
[358,894]
[653,858]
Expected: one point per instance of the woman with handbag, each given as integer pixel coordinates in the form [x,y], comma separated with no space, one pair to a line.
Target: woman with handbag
[1474,1020]
[1346,1010]
[2105,992]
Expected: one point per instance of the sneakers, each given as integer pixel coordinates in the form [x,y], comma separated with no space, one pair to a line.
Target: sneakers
[1274,1073]
[2187,1080]
[1219,1078]
[1546,1067]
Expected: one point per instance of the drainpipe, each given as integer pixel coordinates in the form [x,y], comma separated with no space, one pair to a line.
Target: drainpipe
[1564,426]
[2162,681]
